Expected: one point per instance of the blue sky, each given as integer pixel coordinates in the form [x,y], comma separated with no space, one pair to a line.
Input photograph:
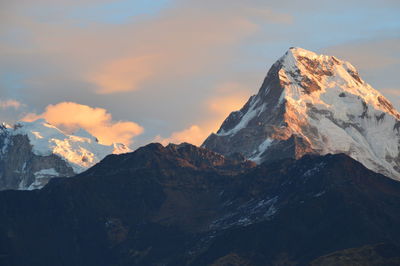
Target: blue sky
[165,65]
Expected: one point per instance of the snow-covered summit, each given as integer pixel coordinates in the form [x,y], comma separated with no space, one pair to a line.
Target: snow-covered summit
[34,152]
[81,150]
[304,72]
[312,103]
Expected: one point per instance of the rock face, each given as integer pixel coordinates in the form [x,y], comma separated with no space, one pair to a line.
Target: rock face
[32,153]
[22,169]
[313,104]
[183,205]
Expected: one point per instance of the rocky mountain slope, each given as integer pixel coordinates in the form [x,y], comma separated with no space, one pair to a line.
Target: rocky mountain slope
[314,104]
[31,153]
[183,205]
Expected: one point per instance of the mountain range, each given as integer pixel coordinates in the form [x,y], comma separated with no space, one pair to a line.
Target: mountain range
[306,173]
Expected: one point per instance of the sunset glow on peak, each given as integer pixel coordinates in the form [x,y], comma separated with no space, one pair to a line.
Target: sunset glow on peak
[156,66]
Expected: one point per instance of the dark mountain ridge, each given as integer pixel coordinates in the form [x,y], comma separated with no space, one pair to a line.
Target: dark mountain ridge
[183,205]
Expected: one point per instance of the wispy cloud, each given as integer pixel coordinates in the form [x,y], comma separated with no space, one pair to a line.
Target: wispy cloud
[125,74]
[6,104]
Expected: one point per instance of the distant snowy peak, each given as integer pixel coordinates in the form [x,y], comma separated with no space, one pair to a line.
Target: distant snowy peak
[81,150]
[32,153]
[119,148]
[310,103]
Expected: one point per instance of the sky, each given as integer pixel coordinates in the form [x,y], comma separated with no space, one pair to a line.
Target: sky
[139,71]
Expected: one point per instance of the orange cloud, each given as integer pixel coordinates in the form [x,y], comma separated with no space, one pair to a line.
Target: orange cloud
[124,74]
[218,109]
[194,134]
[168,48]
[233,98]
[71,116]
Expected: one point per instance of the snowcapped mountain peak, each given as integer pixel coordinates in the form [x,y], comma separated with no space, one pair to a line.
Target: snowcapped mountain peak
[311,103]
[297,51]
[310,78]
[120,148]
[82,150]
[34,152]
